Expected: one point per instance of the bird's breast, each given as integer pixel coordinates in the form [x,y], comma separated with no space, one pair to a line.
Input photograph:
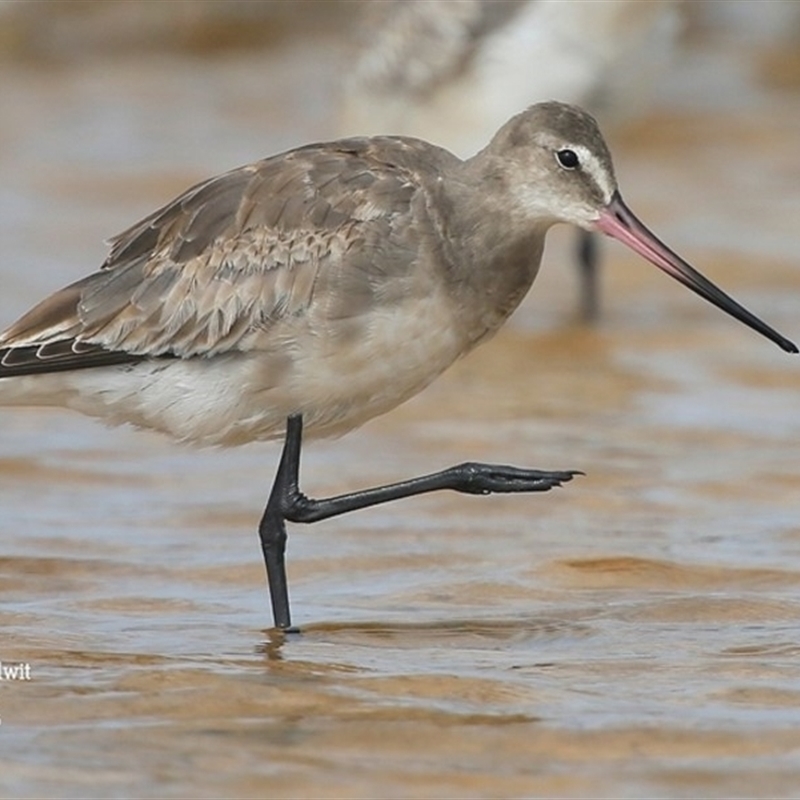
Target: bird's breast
[359,368]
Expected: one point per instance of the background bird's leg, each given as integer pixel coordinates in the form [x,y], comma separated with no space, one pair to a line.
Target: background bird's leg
[588,275]
[287,502]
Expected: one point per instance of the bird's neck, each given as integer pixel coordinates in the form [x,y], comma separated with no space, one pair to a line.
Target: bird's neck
[493,254]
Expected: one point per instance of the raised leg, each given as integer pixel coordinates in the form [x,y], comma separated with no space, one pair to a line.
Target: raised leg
[589,269]
[287,502]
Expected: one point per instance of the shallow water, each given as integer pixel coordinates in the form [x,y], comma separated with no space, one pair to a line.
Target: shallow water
[633,633]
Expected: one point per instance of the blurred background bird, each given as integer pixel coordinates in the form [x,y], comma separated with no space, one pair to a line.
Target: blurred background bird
[453,72]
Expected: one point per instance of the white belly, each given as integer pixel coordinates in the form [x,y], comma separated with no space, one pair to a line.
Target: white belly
[337,379]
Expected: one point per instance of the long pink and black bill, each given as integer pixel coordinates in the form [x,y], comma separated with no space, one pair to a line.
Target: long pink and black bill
[619,222]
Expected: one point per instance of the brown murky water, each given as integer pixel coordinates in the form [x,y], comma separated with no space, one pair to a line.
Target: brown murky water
[635,633]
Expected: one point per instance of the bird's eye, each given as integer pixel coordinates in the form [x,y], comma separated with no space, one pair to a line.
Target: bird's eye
[568,159]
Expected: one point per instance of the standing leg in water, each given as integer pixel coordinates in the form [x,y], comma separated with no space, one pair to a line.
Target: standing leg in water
[287,502]
[588,275]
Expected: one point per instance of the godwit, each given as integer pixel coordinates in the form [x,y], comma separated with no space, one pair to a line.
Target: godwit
[321,287]
[454,72]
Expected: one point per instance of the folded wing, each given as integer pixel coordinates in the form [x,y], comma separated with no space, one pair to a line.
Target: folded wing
[214,270]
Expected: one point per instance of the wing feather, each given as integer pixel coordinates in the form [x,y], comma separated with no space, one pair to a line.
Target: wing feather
[232,256]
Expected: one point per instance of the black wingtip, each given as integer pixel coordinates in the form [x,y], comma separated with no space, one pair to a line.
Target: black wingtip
[59,356]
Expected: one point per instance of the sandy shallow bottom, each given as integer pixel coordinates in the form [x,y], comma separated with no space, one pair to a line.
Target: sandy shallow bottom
[634,633]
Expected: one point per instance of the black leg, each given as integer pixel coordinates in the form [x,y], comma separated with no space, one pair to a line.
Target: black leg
[272,528]
[287,502]
[589,267]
